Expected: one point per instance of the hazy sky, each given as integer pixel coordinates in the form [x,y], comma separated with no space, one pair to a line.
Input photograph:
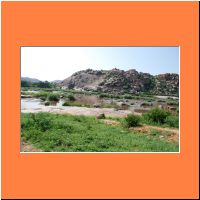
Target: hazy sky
[58,63]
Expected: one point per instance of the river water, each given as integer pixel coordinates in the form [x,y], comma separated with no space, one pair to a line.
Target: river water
[32,105]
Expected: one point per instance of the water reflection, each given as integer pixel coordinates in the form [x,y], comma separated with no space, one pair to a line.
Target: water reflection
[33,103]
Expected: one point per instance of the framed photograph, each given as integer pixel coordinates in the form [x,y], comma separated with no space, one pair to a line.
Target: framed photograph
[100,100]
[101,108]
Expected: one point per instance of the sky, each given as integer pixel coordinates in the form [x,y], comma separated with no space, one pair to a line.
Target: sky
[58,63]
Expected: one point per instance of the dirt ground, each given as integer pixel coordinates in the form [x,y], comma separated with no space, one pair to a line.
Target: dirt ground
[170,134]
[26,147]
[109,112]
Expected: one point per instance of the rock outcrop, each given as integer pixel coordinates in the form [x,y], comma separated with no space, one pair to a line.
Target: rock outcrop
[120,81]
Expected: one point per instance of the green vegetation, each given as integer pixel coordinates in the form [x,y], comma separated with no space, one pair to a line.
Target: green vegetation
[67,93]
[161,100]
[66,104]
[110,105]
[53,97]
[132,120]
[67,133]
[40,95]
[39,89]
[47,103]
[103,95]
[156,115]
[71,98]
[41,84]
[75,103]
[43,95]
[126,96]
[82,104]
[43,98]
[172,103]
[161,117]
[172,121]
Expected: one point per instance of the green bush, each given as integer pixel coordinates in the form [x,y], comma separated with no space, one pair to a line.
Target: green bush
[41,121]
[43,98]
[127,96]
[71,97]
[47,103]
[172,121]
[132,120]
[66,104]
[103,95]
[156,115]
[53,97]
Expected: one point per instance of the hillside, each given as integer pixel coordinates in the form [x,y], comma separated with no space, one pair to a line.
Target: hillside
[32,80]
[120,81]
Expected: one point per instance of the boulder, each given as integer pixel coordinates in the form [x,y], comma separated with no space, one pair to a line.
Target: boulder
[97,105]
[101,116]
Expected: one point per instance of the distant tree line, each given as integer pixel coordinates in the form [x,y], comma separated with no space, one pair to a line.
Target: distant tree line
[41,84]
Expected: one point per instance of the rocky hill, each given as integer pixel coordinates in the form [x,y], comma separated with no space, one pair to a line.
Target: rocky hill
[120,81]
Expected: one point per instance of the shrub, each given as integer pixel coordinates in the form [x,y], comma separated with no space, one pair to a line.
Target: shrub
[132,120]
[66,104]
[172,121]
[43,98]
[47,103]
[44,124]
[71,97]
[103,95]
[156,115]
[41,121]
[127,96]
[53,97]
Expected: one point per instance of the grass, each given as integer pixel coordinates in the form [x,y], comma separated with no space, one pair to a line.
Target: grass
[173,103]
[75,103]
[142,96]
[67,133]
[83,104]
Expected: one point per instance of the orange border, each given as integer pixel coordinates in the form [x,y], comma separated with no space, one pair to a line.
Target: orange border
[99,24]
